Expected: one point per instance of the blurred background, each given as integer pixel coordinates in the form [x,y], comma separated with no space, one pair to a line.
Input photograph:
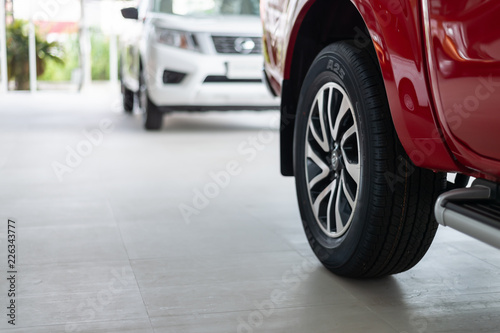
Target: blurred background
[59,44]
[188,229]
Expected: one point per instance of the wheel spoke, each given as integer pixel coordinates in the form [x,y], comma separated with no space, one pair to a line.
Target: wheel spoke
[329,111]
[338,218]
[325,170]
[330,205]
[344,107]
[322,139]
[322,197]
[350,199]
[350,132]
[353,169]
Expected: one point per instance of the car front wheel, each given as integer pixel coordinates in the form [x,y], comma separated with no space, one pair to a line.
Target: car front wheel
[127,99]
[152,115]
[366,209]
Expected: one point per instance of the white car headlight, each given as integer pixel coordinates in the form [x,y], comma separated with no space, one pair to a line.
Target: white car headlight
[175,38]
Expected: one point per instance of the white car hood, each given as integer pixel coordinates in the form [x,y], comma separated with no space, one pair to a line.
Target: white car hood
[225,25]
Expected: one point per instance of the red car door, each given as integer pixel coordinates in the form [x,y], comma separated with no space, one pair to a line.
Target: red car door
[463,50]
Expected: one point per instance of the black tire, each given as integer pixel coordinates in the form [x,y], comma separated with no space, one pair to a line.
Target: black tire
[127,99]
[152,115]
[351,167]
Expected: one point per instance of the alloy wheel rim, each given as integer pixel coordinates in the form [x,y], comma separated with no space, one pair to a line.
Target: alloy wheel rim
[332,160]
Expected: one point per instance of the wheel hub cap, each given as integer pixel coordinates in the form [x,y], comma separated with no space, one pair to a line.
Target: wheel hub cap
[336,160]
[332,163]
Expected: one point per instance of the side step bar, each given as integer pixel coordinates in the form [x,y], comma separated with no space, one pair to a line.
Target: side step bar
[475,211]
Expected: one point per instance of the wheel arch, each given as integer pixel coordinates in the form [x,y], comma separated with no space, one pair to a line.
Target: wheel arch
[311,32]
[390,30]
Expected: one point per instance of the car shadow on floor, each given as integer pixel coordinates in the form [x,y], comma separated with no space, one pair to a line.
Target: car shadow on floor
[382,300]
[227,121]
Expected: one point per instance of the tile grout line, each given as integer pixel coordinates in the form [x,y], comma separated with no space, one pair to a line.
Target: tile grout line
[129,261]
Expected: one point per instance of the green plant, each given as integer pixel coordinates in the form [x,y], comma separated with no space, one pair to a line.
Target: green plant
[56,71]
[100,56]
[18,53]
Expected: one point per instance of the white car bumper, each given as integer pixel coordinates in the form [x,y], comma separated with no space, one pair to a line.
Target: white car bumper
[216,81]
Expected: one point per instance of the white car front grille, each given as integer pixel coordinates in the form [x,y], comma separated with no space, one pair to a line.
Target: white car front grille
[237,44]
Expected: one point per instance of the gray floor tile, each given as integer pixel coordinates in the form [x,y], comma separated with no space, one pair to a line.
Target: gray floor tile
[76,308]
[301,284]
[119,326]
[166,238]
[76,277]
[66,244]
[107,249]
[327,319]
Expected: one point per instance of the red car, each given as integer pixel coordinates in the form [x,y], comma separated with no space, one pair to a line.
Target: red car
[380,99]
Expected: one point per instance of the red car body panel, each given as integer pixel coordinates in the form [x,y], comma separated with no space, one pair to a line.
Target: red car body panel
[464,58]
[433,55]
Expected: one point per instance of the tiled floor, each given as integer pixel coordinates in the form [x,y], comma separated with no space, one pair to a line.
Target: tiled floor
[107,249]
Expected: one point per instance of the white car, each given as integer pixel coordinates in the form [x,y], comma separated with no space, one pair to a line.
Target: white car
[193,55]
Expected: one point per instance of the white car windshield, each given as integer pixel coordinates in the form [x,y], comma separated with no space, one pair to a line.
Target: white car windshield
[207,7]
